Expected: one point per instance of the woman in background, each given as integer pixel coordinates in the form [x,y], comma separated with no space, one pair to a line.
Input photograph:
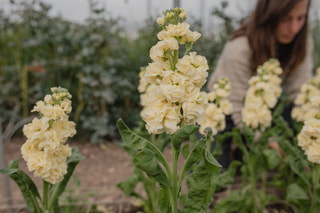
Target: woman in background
[275,29]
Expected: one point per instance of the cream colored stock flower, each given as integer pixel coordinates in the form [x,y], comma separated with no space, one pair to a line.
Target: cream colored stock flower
[218,108]
[155,71]
[171,90]
[303,103]
[309,137]
[44,149]
[142,81]
[194,67]
[161,21]
[172,30]
[262,95]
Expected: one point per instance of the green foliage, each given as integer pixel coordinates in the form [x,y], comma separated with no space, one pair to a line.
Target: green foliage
[95,61]
[29,190]
[26,185]
[74,201]
[165,181]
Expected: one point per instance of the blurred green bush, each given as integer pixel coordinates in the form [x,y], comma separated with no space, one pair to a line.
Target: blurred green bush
[97,61]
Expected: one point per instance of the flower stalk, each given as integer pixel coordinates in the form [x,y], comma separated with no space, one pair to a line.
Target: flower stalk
[45,195]
[315,181]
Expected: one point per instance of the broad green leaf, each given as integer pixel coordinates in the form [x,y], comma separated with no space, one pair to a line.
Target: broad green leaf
[272,157]
[249,135]
[295,192]
[298,166]
[146,161]
[193,157]
[233,202]
[163,201]
[219,139]
[287,129]
[182,134]
[59,188]
[26,185]
[185,150]
[201,185]
[136,142]
[227,177]
[237,138]
[128,186]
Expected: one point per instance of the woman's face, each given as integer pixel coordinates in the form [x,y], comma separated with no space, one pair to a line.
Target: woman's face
[292,23]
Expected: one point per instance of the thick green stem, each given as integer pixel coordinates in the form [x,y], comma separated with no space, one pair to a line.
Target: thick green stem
[251,166]
[315,181]
[264,181]
[35,203]
[53,196]
[45,195]
[174,190]
[253,185]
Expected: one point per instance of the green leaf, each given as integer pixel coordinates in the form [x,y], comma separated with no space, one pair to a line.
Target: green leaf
[128,186]
[193,157]
[249,135]
[26,185]
[201,184]
[219,139]
[185,150]
[146,161]
[237,138]
[295,192]
[232,203]
[163,201]
[182,134]
[272,157]
[227,177]
[59,188]
[136,142]
[298,166]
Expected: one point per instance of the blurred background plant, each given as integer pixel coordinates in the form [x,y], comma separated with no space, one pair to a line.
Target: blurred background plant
[98,61]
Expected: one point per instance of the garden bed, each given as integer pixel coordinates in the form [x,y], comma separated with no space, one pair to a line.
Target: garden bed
[102,168]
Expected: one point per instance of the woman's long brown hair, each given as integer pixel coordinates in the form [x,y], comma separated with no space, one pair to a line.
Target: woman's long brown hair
[260,31]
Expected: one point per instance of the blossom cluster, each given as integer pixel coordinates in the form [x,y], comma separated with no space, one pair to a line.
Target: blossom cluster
[44,151]
[262,95]
[309,136]
[219,106]
[303,106]
[171,85]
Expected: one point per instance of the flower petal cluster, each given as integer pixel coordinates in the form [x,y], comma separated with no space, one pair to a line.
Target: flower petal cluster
[262,95]
[219,106]
[44,151]
[171,86]
[304,108]
[309,136]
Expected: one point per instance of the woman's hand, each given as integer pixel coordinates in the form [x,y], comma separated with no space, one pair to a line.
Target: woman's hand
[275,145]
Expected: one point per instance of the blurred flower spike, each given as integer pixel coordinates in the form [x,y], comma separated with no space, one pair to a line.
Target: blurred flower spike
[262,95]
[304,108]
[219,106]
[309,137]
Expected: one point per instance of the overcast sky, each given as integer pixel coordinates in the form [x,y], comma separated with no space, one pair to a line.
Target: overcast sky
[134,12]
